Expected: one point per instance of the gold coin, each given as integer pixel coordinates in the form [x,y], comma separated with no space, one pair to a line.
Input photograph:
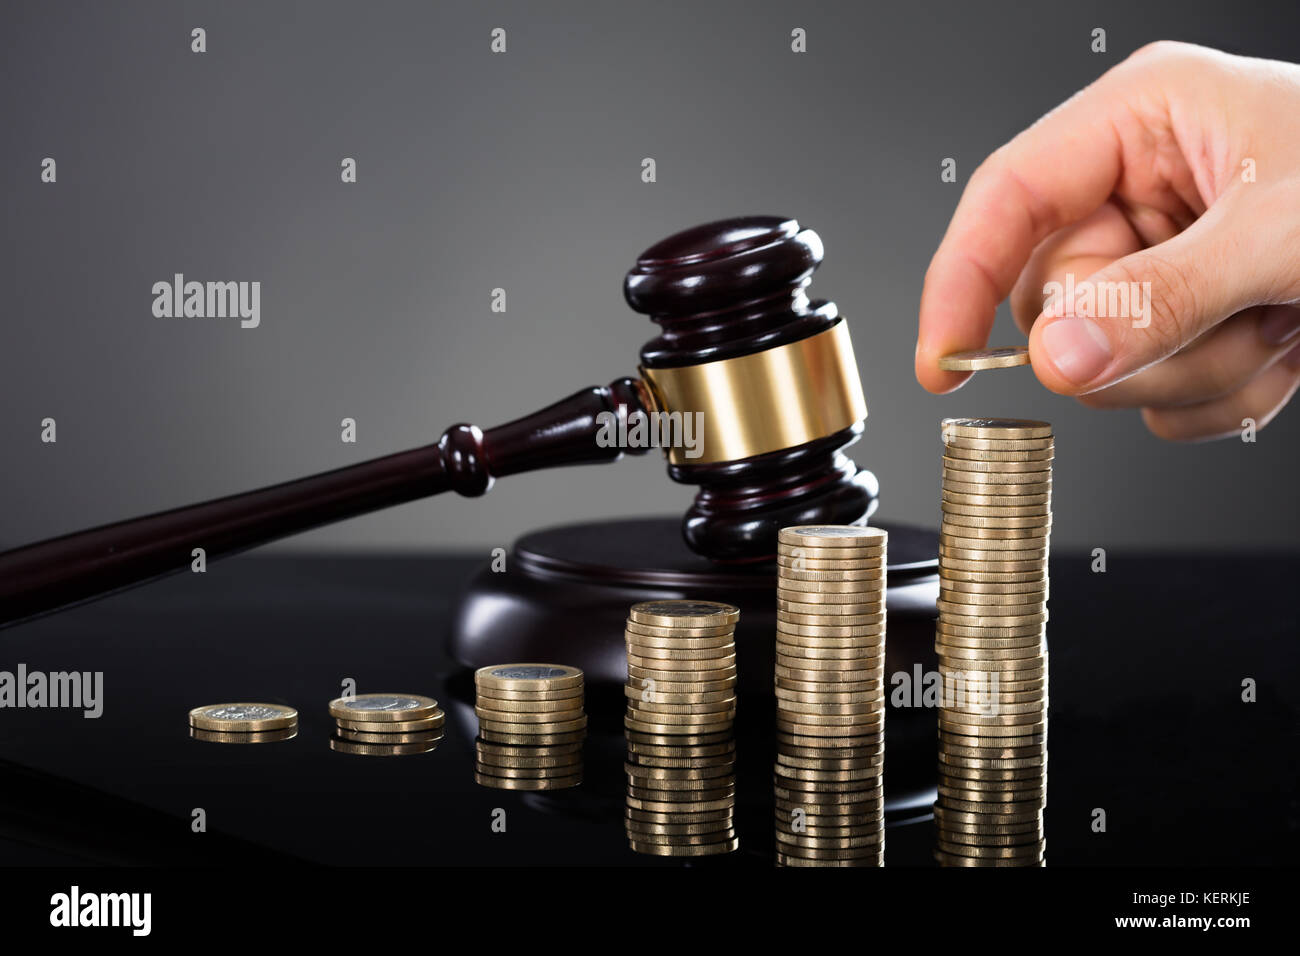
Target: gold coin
[684,800]
[796,709]
[654,695]
[977,654]
[655,707]
[651,745]
[828,631]
[243,717]
[715,819]
[496,704]
[684,654]
[949,817]
[863,648]
[501,717]
[511,724]
[956,452]
[428,725]
[799,697]
[956,522]
[528,677]
[639,685]
[994,498]
[1015,471]
[994,643]
[711,676]
[680,643]
[535,739]
[495,693]
[675,829]
[829,686]
[973,483]
[547,761]
[677,632]
[807,564]
[244,737]
[672,844]
[869,590]
[382,750]
[652,849]
[526,773]
[1039,586]
[823,675]
[362,737]
[958,630]
[863,762]
[809,551]
[858,641]
[702,729]
[992,560]
[977,360]
[832,536]
[865,578]
[511,783]
[993,774]
[819,652]
[995,428]
[956,510]
[798,612]
[1018,619]
[953,440]
[806,662]
[689,613]
[683,669]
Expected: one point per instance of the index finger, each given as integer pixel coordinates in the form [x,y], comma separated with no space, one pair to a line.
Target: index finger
[1055,173]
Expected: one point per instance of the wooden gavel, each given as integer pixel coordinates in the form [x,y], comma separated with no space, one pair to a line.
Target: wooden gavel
[769,374]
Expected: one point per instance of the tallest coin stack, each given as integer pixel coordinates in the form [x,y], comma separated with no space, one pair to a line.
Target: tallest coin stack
[990,640]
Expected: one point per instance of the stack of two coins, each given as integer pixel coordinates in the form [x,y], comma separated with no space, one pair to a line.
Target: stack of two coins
[532,722]
[990,639]
[386,725]
[244,723]
[830,664]
[681,710]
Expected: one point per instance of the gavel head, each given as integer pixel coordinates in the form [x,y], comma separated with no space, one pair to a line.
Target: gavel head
[766,376]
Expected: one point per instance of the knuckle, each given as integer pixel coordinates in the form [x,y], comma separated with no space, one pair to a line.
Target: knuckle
[1168,293]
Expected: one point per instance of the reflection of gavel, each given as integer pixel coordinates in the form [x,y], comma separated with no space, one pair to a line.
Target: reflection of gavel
[771,374]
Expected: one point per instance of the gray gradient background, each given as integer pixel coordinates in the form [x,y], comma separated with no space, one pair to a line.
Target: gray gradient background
[520,171]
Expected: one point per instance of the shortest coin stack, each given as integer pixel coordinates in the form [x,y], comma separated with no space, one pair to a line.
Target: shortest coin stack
[386,725]
[243,723]
[532,723]
[681,709]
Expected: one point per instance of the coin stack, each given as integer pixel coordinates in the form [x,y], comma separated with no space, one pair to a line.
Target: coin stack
[990,639]
[532,722]
[386,725]
[243,723]
[830,699]
[681,710]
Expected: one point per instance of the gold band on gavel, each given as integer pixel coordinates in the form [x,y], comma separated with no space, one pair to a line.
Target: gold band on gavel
[767,401]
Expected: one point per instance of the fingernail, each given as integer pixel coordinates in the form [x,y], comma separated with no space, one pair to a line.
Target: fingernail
[1078,348]
[1280,326]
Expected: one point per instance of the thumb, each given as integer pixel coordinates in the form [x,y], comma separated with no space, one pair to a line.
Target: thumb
[1142,308]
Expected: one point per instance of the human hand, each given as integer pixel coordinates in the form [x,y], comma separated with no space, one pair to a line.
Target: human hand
[1177,170]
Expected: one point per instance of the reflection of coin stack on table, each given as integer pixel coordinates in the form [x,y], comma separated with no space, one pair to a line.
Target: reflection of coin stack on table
[532,721]
[830,664]
[990,640]
[386,725]
[681,710]
[243,723]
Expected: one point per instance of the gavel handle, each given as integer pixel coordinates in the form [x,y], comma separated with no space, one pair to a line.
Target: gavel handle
[48,575]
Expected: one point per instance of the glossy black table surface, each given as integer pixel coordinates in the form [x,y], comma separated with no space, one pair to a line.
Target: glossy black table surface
[1147,723]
